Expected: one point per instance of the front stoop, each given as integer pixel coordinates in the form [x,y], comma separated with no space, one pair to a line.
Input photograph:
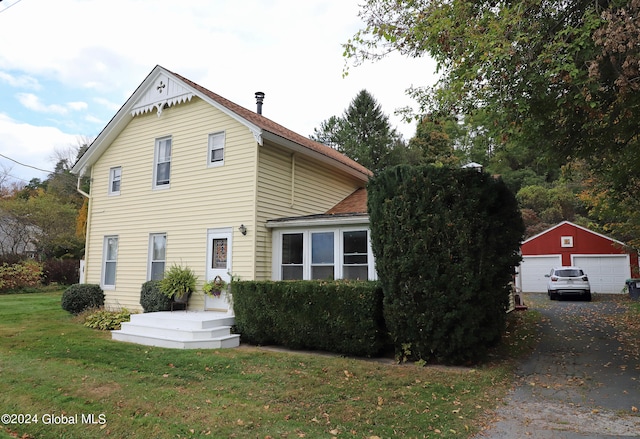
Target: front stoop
[180,330]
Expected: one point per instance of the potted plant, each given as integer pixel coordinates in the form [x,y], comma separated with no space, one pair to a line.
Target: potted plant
[178,283]
[214,287]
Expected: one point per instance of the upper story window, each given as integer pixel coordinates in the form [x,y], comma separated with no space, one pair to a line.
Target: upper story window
[216,149]
[115,177]
[162,163]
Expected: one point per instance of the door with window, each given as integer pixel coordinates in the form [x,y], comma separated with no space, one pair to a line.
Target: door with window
[218,264]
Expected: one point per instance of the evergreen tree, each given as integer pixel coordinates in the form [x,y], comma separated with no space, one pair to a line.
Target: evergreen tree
[363,133]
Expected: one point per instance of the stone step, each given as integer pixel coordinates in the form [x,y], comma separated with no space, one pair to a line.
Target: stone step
[180,330]
[183,319]
[229,341]
[182,334]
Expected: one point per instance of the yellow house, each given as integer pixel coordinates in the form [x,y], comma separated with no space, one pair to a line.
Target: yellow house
[183,176]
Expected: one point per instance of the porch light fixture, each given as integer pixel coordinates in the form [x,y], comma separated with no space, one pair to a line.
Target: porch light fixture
[242,229]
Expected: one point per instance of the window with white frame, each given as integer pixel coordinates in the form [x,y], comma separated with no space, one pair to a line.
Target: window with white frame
[326,253]
[292,257]
[109,258]
[157,255]
[322,255]
[355,255]
[162,163]
[115,177]
[216,149]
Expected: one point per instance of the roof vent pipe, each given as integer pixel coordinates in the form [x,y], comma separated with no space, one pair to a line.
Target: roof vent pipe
[259,100]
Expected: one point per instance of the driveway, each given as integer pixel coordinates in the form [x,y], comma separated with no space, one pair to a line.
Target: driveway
[581,381]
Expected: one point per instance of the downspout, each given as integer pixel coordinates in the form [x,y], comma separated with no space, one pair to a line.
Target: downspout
[80,191]
[86,234]
[293,179]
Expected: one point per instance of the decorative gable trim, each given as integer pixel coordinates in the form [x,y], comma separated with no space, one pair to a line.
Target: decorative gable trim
[164,93]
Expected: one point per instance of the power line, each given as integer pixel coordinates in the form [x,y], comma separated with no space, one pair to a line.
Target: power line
[1,11]
[27,166]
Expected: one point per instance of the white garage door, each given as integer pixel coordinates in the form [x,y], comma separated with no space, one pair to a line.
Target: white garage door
[607,274]
[532,271]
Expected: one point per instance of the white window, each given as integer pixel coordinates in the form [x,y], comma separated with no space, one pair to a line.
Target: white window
[216,149]
[157,256]
[355,255]
[325,253]
[109,258]
[162,163]
[322,255]
[292,256]
[115,176]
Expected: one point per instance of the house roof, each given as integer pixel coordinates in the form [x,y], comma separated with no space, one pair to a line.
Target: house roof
[184,89]
[351,210]
[354,203]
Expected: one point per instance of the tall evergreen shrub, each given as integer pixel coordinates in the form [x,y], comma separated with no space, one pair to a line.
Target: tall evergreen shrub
[446,242]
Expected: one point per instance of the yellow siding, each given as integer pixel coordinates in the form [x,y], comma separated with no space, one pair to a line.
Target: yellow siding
[293,185]
[199,197]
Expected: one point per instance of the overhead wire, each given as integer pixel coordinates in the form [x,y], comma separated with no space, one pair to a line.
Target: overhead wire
[13,4]
[25,165]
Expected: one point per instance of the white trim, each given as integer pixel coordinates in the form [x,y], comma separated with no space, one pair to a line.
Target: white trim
[157,142]
[111,192]
[150,259]
[103,273]
[336,221]
[211,164]
[566,241]
[338,249]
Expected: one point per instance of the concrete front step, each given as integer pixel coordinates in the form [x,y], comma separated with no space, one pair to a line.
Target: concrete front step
[180,329]
[183,319]
[230,341]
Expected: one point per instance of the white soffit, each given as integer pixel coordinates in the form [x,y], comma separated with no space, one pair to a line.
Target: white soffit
[164,92]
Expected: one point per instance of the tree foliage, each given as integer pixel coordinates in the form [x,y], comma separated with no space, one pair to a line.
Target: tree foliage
[558,79]
[363,133]
[446,242]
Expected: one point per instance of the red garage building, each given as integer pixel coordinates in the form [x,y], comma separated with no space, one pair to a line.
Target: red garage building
[606,261]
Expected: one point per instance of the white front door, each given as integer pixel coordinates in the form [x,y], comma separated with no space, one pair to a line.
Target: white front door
[218,264]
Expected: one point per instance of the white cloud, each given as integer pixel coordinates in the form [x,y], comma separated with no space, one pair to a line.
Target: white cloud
[22,81]
[30,145]
[32,102]
[77,106]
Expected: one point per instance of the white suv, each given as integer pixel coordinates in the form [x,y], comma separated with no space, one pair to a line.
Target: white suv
[568,282]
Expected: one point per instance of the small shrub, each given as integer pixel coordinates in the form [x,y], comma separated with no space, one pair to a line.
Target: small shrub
[107,320]
[79,297]
[152,299]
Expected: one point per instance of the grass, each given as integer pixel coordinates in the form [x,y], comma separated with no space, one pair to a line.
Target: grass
[50,364]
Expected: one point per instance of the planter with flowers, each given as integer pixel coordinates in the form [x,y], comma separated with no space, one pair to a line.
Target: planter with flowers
[214,287]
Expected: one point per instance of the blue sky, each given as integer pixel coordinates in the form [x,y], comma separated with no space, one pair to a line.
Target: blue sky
[66,66]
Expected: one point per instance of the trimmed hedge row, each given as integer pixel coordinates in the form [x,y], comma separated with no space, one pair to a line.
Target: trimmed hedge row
[344,317]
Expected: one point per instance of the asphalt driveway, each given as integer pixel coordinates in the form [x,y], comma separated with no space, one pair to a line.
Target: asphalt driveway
[581,381]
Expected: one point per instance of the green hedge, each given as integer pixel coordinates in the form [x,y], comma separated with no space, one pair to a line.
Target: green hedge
[152,299]
[79,297]
[446,243]
[344,317]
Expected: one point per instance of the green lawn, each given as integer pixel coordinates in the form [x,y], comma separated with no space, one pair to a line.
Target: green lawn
[56,370]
